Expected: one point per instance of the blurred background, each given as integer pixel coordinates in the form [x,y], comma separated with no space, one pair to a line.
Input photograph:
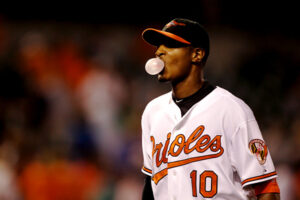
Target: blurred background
[73,89]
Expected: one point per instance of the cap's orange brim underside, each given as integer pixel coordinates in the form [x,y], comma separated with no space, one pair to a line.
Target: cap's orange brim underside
[168,34]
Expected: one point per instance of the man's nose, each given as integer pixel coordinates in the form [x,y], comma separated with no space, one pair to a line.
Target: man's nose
[160,51]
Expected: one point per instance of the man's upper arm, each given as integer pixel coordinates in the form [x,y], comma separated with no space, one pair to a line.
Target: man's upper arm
[267,190]
[147,192]
[268,196]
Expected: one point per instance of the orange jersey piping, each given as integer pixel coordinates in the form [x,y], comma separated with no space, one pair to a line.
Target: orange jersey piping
[258,177]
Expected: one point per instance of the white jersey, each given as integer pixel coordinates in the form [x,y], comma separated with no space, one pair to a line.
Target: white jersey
[212,152]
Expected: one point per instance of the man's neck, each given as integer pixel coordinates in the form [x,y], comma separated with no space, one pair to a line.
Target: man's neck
[188,86]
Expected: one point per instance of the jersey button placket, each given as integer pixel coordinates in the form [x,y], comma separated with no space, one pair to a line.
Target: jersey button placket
[175,111]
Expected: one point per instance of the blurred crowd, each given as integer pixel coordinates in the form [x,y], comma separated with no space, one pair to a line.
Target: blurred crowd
[71,98]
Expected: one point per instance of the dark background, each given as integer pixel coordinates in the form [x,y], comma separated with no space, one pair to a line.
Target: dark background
[73,88]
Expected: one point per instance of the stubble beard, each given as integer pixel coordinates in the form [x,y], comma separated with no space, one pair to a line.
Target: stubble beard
[161,79]
[164,78]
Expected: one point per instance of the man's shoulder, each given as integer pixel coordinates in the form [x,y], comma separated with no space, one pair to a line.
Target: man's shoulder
[158,102]
[232,102]
[229,97]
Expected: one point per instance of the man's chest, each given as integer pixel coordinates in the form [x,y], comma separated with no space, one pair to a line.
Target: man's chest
[191,136]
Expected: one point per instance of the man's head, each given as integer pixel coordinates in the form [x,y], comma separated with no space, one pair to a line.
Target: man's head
[178,33]
[182,44]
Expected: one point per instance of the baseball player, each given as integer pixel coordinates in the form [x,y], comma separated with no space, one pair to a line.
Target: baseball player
[200,141]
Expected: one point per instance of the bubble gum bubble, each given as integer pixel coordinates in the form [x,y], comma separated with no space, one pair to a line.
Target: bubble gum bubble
[154,66]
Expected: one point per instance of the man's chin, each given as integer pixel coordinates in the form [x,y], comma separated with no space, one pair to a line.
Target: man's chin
[161,79]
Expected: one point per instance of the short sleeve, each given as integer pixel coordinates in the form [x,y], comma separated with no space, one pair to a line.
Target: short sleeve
[250,156]
[146,147]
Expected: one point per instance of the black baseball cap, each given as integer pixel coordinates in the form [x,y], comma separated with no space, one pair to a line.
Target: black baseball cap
[180,31]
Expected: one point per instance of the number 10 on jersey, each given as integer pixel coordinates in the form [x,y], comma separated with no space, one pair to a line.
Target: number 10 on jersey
[208,182]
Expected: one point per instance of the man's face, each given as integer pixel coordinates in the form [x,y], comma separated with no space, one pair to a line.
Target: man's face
[177,62]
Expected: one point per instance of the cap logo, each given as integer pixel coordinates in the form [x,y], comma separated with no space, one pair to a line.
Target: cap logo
[174,23]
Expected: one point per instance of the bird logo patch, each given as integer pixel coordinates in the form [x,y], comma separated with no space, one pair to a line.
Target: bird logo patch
[259,149]
[174,23]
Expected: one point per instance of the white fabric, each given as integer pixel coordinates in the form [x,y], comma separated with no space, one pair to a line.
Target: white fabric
[205,154]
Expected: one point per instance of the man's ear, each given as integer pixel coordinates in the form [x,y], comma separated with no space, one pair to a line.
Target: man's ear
[198,55]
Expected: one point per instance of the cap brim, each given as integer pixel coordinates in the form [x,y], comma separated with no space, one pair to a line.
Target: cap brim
[157,37]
